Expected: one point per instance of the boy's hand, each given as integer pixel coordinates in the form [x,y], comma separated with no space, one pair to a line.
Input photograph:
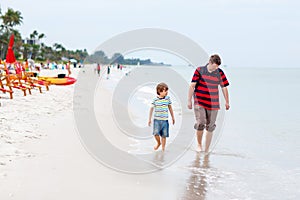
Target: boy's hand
[173,121]
[149,122]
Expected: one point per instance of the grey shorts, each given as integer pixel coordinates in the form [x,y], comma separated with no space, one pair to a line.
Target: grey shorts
[205,118]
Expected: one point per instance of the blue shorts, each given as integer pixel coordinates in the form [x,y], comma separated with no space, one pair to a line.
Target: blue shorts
[161,128]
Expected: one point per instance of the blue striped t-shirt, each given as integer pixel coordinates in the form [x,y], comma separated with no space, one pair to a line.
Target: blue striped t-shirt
[161,107]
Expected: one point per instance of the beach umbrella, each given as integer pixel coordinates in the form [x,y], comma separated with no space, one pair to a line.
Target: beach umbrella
[10,56]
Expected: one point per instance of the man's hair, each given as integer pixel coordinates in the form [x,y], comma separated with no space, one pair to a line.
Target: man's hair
[161,87]
[215,59]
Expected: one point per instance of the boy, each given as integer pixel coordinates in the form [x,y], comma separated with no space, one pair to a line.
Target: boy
[161,104]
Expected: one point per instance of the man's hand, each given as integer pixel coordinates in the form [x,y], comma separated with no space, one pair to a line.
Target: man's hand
[227,106]
[149,122]
[190,106]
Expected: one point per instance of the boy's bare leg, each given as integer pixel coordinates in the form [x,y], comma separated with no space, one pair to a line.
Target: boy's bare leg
[157,138]
[199,139]
[163,142]
[208,140]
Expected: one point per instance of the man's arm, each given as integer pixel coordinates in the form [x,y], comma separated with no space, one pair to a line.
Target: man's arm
[226,96]
[190,95]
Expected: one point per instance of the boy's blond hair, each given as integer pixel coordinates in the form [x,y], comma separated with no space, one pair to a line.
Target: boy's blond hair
[161,87]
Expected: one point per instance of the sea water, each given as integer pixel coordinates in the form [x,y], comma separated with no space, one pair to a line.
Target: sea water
[257,155]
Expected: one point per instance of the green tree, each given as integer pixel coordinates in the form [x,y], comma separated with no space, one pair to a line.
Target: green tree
[36,46]
[117,58]
[11,19]
[8,21]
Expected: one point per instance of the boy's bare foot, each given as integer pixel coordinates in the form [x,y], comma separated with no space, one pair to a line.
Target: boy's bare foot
[199,148]
[157,146]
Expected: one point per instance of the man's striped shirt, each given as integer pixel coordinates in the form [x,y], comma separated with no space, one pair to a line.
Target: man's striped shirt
[161,107]
[206,92]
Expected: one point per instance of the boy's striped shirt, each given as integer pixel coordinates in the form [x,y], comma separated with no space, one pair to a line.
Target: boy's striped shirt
[161,107]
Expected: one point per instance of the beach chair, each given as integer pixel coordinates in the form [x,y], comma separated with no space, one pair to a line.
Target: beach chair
[14,81]
[35,82]
[22,79]
[4,90]
[30,82]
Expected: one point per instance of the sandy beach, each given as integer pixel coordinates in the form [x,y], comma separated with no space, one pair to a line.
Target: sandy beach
[42,156]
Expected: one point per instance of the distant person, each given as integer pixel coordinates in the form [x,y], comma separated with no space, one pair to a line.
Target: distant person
[108,71]
[98,69]
[204,89]
[26,65]
[161,105]
[68,68]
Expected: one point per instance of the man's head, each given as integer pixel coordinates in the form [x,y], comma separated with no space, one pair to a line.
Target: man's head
[162,89]
[214,62]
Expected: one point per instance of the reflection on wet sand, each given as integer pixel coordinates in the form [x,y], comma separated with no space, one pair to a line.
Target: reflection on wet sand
[197,182]
[158,159]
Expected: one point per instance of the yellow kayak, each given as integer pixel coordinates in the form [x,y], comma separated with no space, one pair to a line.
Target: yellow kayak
[58,81]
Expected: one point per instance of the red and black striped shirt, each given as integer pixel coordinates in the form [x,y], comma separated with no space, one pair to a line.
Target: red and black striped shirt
[206,92]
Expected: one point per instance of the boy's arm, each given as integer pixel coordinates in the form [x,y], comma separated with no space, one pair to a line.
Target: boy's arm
[172,114]
[226,96]
[150,116]
[190,95]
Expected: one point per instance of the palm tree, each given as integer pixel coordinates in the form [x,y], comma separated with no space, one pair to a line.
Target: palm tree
[10,19]
[36,48]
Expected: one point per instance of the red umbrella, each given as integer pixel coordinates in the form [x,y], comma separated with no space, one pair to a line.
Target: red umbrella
[10,56]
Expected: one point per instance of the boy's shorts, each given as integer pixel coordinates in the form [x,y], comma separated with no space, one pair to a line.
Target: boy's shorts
[161,128]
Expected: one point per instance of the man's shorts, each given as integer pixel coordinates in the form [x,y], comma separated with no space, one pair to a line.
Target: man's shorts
[161,128]
[205,118]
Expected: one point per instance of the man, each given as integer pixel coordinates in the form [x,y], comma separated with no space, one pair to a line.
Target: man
[204,89]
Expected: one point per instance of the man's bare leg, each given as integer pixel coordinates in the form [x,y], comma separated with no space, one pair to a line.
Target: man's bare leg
[199,139]
[163,142]
[208,140]
[157,138]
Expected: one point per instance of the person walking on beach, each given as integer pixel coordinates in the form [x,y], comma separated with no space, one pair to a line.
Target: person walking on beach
[108,71]
[204,89]
[161,105]
[68,68]
[98,69]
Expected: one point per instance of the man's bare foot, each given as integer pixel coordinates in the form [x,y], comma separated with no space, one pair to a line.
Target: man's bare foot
[199,148]
[157,146]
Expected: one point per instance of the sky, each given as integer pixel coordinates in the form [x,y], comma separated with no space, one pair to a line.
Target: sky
[246,33]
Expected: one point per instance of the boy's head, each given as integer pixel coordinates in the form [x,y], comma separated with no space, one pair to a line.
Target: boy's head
[162,87]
